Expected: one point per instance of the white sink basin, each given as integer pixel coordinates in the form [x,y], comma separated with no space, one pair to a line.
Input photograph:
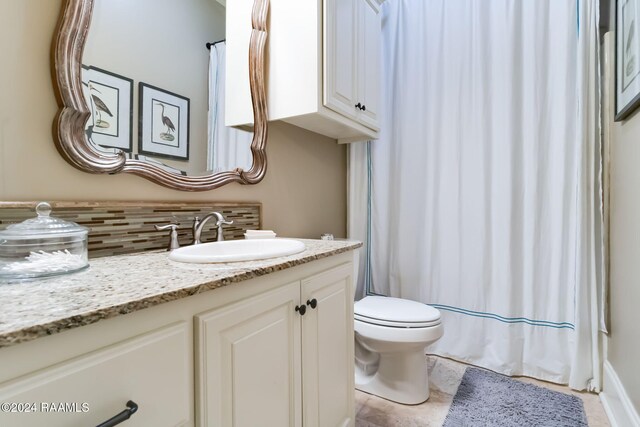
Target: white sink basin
[237,250]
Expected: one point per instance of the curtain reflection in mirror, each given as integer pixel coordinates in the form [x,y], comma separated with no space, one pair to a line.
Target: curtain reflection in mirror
[228,148]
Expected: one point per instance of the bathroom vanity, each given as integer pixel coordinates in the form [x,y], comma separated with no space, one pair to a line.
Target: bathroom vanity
[256,343]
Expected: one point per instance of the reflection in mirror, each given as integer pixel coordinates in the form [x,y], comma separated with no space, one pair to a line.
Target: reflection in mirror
[155,90]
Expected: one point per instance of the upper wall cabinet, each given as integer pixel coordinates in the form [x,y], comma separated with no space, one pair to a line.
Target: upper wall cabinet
[323,67]
[352,58]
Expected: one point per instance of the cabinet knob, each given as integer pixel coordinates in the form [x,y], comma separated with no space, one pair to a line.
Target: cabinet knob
[364,107]
[359,106]
[312,303]
[302,309]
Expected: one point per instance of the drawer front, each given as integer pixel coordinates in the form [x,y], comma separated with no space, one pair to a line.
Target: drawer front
[154,370]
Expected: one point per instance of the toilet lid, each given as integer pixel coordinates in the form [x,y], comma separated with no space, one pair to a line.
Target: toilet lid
[388,311]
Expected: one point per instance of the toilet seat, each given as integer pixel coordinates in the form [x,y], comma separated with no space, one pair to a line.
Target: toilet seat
[395,312]
[389,323]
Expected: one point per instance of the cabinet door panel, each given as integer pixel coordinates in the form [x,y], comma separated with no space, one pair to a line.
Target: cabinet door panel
[370,69]
[154,370]
[249,362]
[327,349]
[340,87]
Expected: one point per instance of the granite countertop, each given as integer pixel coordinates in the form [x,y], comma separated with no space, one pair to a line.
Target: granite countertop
[118,285]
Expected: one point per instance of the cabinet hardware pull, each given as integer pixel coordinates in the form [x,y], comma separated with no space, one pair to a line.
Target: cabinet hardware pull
[313,303]
[359,106]
[302,309]
[364,107]
[123,416]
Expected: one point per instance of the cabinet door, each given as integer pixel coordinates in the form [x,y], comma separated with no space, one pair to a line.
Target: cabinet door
[340,54]
[369,65]
[248,362]
[327,349]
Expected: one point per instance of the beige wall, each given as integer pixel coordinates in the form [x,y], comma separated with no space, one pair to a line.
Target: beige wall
[624,341]
[624,241]
[303,194]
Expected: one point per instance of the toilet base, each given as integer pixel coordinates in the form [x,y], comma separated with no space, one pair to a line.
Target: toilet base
[399,377]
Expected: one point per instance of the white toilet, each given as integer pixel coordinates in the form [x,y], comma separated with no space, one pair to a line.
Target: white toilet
[390,338]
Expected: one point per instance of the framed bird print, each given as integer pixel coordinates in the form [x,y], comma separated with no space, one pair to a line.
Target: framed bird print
[109,97]
[627,58]
[163,126]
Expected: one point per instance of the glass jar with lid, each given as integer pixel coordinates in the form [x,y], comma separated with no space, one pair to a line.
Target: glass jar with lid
[42,246]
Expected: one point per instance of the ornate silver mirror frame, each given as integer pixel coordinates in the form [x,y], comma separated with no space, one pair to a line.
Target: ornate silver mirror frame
[69,123]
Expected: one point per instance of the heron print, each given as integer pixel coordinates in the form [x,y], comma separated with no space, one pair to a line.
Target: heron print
[165,121]
[104,108]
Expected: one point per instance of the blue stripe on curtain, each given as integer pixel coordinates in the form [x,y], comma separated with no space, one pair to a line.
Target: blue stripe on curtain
[367,262]
[533,322]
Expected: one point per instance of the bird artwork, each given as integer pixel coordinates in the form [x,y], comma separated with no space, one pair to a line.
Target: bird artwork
[100,107]
[166,121]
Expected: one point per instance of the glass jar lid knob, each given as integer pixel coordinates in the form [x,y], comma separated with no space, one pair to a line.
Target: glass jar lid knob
[43,209]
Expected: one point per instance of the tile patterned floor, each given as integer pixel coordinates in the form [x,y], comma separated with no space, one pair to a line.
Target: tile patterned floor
[445,376]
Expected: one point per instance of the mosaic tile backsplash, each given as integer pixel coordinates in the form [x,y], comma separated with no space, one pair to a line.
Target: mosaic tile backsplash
[127,227]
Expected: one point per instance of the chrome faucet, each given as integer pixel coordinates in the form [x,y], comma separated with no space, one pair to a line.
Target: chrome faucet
[198,225]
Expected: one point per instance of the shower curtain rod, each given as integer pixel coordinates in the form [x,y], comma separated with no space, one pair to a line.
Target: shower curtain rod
[210,45]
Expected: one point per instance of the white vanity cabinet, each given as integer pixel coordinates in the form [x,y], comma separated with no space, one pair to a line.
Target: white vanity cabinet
[240,355]
[323,66]
[265,361]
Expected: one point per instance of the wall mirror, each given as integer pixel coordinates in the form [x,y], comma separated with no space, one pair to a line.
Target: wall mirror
[141,88]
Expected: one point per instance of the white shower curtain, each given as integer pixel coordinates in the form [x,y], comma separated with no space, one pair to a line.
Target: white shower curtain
[484,182]
[228,148]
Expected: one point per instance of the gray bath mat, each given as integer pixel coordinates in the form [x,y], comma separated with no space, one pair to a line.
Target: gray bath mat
[488,399]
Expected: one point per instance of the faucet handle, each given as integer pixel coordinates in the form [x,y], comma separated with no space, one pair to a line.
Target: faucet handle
[173,235]
[220,219]
[219,223]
